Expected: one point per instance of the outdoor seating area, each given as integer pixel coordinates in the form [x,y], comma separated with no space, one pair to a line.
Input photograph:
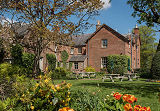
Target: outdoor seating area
[80,75]
[129,76]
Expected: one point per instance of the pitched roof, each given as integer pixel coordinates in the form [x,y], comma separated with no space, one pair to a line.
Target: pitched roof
[117,34]
[78,58]
[80,40]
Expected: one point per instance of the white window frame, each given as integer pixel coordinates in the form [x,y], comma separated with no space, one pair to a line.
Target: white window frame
[72,51]
[75,65]
[103,62]
[104,44]
[79,49]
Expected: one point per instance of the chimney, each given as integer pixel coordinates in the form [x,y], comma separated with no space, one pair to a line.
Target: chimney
[98,24]
[136,30]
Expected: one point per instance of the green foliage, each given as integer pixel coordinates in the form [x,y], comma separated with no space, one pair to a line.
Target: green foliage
[82,100]
[8,104]
[70,65]
[59,73]
[64,57]
[5,69]
[43,95]
[89,69]
[117,64]
[28,62]
[158,47]
[155,68]
[2,52]
[16,53]
[51,58]
[146,10]
[147,49]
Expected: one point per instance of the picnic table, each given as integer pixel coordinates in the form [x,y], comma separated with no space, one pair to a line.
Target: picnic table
[110,76]
[84,74]
[131,76]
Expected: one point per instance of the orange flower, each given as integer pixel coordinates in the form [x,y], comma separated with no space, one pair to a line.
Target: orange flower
[117,96]
[65,109]
[128,107]
[137,107]
[125,97]
[129,98]
[145,109]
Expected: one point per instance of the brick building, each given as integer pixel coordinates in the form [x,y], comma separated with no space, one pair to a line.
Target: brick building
[92,49]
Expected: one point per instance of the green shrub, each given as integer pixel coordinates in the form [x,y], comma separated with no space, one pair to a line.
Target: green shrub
[155,68]
[44,95]
[28,62]
[16,53]
[59,73]
[51,61]
[89,69]
[5,69]
[117,64]
[64,57]
[70,65]
[8,104]
[83,100]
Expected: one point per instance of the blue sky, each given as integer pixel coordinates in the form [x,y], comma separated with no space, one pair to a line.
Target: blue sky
[117,15]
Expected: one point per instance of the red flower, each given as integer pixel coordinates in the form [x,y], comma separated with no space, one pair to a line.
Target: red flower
[137,107]
[128,107]
[145,109]
[117,96]
[129,98]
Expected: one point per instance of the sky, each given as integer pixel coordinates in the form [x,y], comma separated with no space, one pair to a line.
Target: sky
[117,15]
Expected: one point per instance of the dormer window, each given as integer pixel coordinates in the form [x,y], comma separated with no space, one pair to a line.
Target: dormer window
[79,50]
[104,43]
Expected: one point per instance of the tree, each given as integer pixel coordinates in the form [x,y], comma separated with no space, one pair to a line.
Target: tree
[50,21]
[16,53]
[147,11]
[2,52]
[51,58]
[155,68]
[147,36]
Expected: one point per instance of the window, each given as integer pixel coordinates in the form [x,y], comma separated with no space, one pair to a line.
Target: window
[104,43]
[72,51]
[79,49]
[76,65]
[104,62]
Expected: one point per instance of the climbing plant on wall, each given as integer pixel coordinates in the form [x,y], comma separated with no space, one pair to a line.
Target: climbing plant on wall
[64,57]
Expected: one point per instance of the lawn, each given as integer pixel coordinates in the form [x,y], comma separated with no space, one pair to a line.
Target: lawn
[146,92]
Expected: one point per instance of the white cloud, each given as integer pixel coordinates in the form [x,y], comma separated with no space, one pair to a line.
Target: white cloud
[107,4]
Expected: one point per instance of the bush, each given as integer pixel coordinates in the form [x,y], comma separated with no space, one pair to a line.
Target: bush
[44,95]
[28,62]
[84,101]
[89,69]
[155,68]
[64,57]
[117,64]
[59,73]
[16,53]
[51,61]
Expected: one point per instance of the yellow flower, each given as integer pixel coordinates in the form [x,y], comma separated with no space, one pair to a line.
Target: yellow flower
[32,107]
[46,80]
[58,87]
[68,99]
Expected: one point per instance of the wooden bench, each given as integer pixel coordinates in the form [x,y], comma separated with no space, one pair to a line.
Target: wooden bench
[110,76]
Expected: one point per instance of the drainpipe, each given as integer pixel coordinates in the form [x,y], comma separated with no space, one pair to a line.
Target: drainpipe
[131,49]
[88,54]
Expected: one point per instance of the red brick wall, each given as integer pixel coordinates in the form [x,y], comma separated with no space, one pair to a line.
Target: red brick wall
[95,50]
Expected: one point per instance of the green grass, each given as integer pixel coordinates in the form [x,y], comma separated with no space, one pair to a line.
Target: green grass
[146,92]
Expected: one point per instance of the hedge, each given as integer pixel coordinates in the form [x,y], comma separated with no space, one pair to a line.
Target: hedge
[117,64]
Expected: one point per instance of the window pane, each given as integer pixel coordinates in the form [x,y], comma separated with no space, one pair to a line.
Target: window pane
[104,43]
[76,65]
[79,49]
[72,50]
[104,62]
